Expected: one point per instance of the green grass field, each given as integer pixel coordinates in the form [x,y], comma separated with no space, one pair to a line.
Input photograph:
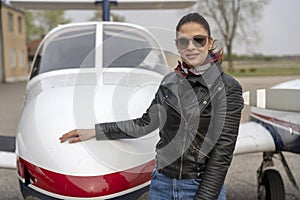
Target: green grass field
[265,68]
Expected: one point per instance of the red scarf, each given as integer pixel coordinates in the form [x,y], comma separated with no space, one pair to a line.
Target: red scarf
[211,57]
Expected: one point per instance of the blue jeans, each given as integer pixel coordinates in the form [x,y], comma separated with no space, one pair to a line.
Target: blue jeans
[165,188]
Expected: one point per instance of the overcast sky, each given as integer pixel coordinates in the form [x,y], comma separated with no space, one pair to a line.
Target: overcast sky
[279,27]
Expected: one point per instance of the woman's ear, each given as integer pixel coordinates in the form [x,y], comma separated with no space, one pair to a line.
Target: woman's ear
[210,43]
[176,44]
[178,50]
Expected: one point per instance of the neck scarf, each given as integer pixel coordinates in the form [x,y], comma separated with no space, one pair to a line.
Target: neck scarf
[185,70]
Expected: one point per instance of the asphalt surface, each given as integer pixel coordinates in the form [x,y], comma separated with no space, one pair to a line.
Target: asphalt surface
[241,178]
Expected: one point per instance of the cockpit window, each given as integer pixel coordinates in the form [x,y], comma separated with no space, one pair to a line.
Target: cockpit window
[131,48]
[71,47]
[122,46]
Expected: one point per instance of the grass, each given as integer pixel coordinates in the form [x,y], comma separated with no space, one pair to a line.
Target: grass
[266,72]
[276,67]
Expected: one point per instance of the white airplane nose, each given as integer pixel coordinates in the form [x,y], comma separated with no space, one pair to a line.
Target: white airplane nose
[55,107]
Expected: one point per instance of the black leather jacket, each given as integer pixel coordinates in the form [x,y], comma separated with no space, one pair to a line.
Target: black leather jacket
[198,119]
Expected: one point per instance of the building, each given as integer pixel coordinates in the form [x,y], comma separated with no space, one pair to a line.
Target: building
[13,49]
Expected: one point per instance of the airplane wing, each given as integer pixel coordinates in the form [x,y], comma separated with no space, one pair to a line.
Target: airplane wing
[283,98]
[7,152]
[94,4]
[253,138]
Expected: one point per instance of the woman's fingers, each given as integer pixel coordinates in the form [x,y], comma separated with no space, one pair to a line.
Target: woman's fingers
[75,140]
[78,135]
[71,134]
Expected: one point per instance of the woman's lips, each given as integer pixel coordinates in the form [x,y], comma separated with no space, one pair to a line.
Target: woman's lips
[191,56]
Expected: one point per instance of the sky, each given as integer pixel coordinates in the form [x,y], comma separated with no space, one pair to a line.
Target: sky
[279,28]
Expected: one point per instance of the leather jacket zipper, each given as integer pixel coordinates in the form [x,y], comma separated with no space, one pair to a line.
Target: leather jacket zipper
[174,108]
[184,139]
[181,157]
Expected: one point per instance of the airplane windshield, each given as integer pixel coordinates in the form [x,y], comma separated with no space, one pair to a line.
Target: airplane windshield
[71,47]
[122,46]
[131,48]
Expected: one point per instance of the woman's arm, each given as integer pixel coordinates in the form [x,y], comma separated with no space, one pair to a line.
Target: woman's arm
[130,128]
[221,155]
[117,130]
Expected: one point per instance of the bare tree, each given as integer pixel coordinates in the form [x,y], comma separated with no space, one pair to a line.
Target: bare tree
[234,20]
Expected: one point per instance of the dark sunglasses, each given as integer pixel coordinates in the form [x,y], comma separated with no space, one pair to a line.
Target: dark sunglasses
[198,41]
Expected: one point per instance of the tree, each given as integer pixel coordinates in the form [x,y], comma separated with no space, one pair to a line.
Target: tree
[31,29]
[40,22]
[234,20]
[115,17]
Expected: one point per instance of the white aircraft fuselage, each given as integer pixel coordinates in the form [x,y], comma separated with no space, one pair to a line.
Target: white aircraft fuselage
[71,87]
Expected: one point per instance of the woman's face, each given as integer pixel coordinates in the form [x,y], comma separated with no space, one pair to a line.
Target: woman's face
[193,44]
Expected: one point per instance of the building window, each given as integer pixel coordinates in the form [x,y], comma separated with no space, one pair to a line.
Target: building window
[10,22]
[12,56]
[21,58]
[20,24]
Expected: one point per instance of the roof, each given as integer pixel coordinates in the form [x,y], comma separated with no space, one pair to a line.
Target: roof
[4,4]
[32,46]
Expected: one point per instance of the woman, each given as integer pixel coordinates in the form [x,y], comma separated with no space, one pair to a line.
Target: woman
[197,109]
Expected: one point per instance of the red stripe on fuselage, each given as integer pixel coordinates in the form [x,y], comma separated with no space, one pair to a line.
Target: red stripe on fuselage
[87,186]
[279,122]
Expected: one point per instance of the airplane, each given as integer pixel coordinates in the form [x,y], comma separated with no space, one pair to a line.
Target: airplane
[273,128]
[86,73]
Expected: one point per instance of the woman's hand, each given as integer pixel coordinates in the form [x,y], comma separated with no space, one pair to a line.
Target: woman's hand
[78,135]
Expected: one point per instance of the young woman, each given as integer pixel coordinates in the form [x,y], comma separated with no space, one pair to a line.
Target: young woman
[197,109]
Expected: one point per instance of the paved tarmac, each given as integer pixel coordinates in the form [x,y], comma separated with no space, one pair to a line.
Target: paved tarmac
[241,178]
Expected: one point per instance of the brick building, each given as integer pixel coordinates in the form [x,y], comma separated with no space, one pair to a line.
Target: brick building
[13,49]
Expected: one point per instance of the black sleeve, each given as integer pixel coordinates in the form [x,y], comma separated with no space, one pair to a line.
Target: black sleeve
[130,128]
[221,154]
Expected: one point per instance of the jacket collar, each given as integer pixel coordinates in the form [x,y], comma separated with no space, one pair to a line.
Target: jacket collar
[209,77]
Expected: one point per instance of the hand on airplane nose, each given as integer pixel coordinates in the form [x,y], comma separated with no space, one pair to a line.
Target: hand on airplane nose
[78,135]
